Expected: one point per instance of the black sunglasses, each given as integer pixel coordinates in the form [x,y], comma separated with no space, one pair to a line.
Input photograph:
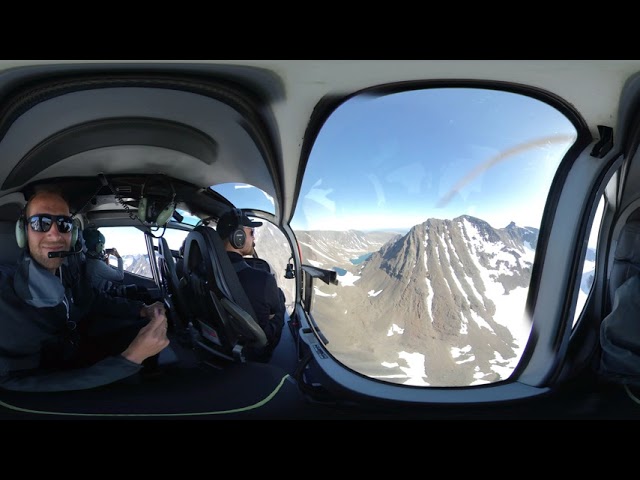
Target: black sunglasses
[42,222]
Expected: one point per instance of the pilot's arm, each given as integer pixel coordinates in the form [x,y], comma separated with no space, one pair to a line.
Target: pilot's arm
[109,272]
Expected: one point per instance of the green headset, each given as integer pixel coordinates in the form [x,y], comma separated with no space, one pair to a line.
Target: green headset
[157,202]
[21,230]
[94,241]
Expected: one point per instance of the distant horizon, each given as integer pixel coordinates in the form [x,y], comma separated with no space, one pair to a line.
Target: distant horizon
[403,230]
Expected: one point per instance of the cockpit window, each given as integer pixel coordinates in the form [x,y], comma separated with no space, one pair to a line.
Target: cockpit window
[428,204]
[186,218]
[243,195]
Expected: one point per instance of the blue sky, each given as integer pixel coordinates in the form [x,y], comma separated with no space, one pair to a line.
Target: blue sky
[391,162]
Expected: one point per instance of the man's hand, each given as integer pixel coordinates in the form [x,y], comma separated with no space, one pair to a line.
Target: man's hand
[152,338]
[149,310]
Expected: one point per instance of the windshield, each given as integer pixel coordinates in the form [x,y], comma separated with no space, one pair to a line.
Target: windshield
[242,195]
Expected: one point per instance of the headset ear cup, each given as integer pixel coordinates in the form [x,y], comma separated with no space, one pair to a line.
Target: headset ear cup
[165,215]
[238,237]
[21,234]
[150,204]
[147,216]
[142,209]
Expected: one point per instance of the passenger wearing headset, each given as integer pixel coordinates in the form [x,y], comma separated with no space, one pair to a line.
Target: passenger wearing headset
[267,300]
[57,333]
[101,274]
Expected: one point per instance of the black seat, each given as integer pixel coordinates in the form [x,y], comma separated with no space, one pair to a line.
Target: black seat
[9,249]
[224,322]
[171,287]
[619,356]
[626,262]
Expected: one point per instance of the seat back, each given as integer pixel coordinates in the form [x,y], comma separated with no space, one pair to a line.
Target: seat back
[9,249]
[626,261]
[10,211]
[224,320]
[171,284]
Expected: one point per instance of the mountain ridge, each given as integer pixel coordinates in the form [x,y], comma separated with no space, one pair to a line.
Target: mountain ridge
[431,290]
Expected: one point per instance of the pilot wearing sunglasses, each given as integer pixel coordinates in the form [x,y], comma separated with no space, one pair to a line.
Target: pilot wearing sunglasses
[57,333]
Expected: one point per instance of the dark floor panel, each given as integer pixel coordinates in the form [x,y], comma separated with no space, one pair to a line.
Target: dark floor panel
[240,391]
